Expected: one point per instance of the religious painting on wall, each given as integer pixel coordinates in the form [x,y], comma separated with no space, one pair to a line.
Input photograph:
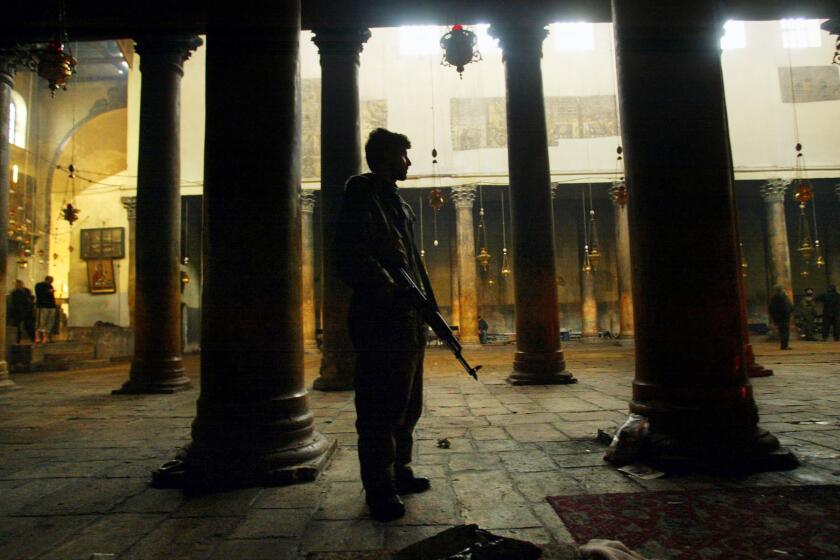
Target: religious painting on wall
[481,122]
[810,83]
[103,243]
[101,276]
[373,113]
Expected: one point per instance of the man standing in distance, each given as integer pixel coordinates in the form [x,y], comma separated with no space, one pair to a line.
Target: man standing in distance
[374,238]
[46,311]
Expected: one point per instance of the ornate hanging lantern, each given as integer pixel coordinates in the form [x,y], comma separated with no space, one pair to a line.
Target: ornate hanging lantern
[587,263]
[620,193]
[803,193]
[744,264]
[56,65]
[595,249]
[506,270]
[460,48]
[69,213]
[484,258]
[483,254]
[437,200]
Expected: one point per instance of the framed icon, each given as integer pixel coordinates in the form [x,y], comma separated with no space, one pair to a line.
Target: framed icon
[103,243]
[101,276]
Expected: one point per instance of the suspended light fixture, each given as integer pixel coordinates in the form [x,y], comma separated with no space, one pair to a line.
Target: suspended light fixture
[483,254]
[587,261]
[437,200]
[506,270]
[808,247]
[594,244]
[68,211]
[422,245]
[460,47]
[744,265]
[56,62]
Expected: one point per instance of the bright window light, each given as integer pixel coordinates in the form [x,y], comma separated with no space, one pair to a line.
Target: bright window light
[800,33]
[12,123]
[420,39]
[486,43]
[576,36]
[734,36]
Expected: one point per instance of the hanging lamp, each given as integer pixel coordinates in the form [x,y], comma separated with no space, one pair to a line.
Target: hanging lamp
[422,245]
[483,253]
[56,62]
[506,270]
[593,243]
[460,47]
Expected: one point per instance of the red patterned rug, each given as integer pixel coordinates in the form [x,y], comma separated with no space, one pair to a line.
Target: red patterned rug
[761,522]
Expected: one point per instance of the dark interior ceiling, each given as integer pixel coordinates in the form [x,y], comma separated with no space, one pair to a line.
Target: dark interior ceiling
[94,19]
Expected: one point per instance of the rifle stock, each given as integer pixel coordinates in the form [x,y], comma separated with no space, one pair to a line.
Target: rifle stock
[432,318]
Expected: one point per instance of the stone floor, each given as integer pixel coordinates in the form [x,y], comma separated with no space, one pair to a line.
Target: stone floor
[75,460]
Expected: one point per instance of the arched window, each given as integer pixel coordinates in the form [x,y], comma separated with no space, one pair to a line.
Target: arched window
[17,120]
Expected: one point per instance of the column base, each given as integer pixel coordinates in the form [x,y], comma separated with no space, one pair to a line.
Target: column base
[707,452]
[757,370]
[8,385]
[540,369]
[205,470]
[337,371]
[169,377]
[629,341]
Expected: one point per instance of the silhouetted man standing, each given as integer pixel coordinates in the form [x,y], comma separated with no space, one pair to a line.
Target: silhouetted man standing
[780,310]
[831,312]
[374,239]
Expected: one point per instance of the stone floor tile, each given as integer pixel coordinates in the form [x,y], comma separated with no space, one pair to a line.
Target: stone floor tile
[401,536]
[272,523]
[552,522]
[494,445]
[359,534]
[459,462]
[257,549]
[566,405]
[111,534]
[456,445]
[153,500]
[187,537]
[489,433]
[531,418]
[296,496]
[220,504]
[342,500]
[529,460]
[437,506]
[535,432]
[85,496]
[536,535]
[536,486]
[28,537]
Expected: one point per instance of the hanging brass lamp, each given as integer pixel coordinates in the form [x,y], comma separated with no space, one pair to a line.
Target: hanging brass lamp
[459,48]
[56,65]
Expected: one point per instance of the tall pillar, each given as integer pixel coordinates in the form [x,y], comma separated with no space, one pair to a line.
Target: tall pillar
[690,382]
[307,209]
[464,197]
[455,281]
[833,260]
[130,205]
[777,239]
[253,424]
[340,159]
[157,366]
[589,311]
[625,271]
[7,82]
[538,359]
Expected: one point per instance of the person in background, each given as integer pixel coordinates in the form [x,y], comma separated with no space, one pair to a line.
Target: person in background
[482,329]
[22,311]
[780,309]
[806,314]
[831,312]
[46,310]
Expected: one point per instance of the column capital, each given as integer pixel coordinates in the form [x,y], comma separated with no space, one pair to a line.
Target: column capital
[774,190]
[463,196]
[618,193]
[130,205]
[307,201]
[12,57]
[340,41]
[153,48]
[519,38]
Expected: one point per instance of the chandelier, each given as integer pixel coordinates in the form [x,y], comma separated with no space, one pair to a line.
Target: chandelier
[483,254]
[436,200]
[56,63]
[506,270]
[459,48]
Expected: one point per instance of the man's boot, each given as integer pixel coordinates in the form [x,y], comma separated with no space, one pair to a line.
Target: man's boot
[407,483]
[385,506]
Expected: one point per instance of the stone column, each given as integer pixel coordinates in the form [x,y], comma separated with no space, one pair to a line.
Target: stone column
[833,260]
[7,82]
[157,366]
[307,209]
[454,277]
[340,159]
[253,426]
[464,197]
[130,205]
[538,359]
[690,382]
[589,311]
[777,239]
[622,248]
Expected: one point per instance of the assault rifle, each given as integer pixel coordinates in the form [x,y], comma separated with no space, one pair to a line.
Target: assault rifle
[432,318]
